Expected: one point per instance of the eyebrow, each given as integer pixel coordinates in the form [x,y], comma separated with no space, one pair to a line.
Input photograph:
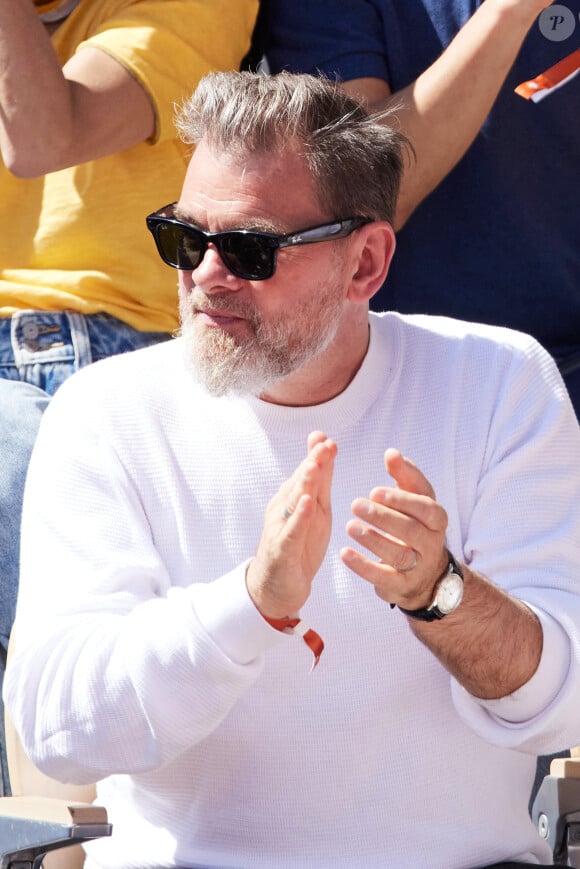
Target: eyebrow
[256,224]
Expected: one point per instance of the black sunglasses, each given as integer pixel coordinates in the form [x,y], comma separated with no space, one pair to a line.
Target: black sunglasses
[247,253]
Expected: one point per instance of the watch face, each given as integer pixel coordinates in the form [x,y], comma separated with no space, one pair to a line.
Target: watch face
[449,593]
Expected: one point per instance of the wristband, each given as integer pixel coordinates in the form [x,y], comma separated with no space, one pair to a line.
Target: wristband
[297,628]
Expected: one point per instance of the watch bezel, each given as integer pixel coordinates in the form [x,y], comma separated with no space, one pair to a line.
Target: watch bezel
[455,582]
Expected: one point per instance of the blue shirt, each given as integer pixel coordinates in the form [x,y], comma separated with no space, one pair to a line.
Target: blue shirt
[499,240]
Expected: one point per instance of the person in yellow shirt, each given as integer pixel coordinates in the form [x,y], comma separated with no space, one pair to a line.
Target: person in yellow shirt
[88,90]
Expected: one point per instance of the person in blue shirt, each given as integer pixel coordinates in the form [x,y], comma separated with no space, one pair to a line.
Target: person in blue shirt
[487,221]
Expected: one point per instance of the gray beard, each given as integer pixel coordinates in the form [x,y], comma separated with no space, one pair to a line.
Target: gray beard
[225,364]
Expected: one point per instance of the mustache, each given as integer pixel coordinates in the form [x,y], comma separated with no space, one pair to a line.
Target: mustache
[223,302]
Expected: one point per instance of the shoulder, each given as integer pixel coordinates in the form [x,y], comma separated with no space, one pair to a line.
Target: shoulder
[492,359]
[451,333]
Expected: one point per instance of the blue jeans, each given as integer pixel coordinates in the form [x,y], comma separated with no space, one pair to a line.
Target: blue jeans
[38,351]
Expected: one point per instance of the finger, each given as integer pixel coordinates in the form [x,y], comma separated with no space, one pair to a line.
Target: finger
[314,438]
[326,473]
[409,590]
[360,564]
[398,512]
[296,517]
[322,451]
[406,474]
[313,477]
[391,552]
[381,576]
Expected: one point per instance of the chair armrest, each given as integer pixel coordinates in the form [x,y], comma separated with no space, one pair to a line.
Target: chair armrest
[30,827]
[52,810]
[556,809]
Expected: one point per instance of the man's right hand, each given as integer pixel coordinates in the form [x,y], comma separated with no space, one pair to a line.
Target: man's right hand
[296,532]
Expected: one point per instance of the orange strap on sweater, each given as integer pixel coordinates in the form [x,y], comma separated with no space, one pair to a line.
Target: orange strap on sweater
[296,627]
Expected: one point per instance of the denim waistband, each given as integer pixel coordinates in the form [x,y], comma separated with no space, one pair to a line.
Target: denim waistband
[45,347]
[30,337]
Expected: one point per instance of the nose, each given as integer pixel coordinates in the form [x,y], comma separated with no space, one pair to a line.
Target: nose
[212,274]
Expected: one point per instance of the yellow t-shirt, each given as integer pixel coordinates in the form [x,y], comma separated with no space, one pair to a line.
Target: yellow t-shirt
[76,239]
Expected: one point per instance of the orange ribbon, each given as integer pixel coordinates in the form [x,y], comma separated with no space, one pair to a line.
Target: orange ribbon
[297,627]
[554,77]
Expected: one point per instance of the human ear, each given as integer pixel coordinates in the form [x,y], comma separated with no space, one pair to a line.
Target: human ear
[373,253]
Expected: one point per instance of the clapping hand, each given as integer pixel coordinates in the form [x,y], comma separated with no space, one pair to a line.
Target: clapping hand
[403,530]
[296,532]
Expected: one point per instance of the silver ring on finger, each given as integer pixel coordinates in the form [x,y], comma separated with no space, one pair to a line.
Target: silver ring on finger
[287,512]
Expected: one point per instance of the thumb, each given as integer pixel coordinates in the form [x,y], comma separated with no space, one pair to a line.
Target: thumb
[406,474]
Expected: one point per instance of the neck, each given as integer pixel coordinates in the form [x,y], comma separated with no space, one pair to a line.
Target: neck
[328,374]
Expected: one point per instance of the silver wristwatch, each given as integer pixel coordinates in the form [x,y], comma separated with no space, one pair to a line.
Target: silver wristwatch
[448,595]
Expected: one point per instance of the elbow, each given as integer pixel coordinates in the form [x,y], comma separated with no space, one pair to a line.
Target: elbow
[61,772]
[10,159]
[26,166]
[23,172]
[43,763]
[33,160]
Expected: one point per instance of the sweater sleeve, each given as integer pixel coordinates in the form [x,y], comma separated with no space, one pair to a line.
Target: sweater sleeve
[120,663]
[524,535]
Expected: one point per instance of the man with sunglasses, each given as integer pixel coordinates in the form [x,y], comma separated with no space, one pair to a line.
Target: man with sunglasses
[297,481]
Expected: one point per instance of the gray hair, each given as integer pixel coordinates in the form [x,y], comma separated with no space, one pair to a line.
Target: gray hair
[356,159]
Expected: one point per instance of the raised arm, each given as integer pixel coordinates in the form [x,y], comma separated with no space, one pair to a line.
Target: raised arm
[52,117]
[443,109]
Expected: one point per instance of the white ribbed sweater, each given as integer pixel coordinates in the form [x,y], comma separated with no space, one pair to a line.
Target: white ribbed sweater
[142,661]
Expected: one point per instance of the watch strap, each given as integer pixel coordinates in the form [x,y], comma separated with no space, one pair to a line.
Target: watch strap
[433,613]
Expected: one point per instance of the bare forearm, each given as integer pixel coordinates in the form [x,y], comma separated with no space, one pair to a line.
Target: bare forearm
[35,106]
[491,644]
[443,110]
[52,117]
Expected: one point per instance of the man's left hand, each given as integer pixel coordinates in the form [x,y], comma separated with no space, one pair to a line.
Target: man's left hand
[404,527]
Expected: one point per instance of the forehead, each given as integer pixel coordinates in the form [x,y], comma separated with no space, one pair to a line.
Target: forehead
[274,190]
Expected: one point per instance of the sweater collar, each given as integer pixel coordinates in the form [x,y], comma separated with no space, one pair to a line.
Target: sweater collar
[344,410]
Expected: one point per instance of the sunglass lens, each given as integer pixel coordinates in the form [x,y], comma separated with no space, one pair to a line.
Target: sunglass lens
[248,256]
[180,248]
